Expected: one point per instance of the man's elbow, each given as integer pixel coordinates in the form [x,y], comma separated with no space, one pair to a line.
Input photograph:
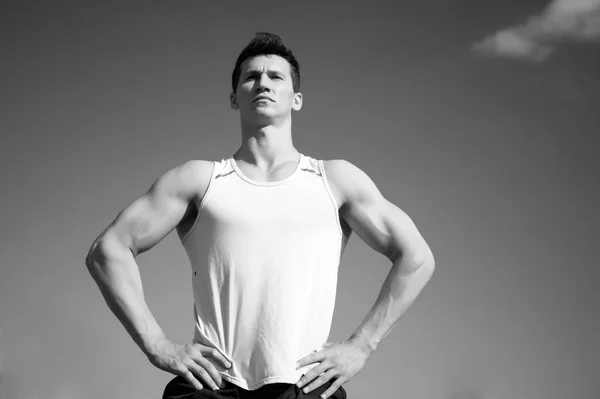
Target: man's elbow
[95,257]
[101,252]
[423,259]
[429,259]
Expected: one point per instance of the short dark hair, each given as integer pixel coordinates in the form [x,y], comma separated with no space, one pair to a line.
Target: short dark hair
[265,43]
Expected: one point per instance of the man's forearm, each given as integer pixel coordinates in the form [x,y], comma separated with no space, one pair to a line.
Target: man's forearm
[402,285]
[117,275]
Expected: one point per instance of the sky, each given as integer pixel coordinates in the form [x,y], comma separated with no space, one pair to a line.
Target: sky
[478,118]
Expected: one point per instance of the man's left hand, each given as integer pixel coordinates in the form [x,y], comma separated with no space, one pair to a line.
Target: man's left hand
[339,360]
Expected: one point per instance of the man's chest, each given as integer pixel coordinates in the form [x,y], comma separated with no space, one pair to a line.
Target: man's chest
[276,211]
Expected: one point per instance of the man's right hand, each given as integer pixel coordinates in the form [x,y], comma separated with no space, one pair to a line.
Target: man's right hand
[190,361]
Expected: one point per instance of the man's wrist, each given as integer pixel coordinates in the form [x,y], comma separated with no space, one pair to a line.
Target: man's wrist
[362,341]
[149,344]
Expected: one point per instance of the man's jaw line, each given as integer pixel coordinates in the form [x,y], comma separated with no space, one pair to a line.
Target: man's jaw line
[266,126]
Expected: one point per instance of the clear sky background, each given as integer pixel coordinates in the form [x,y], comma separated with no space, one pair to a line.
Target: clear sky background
[478,121]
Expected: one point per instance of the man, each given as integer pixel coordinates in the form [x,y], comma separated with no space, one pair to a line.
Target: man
[264,231]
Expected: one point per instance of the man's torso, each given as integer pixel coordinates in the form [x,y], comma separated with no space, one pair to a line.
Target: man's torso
[264,251]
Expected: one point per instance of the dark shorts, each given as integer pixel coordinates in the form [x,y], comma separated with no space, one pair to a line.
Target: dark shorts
[179,388]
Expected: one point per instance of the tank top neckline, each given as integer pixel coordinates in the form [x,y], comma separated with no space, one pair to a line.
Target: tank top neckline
[265,183]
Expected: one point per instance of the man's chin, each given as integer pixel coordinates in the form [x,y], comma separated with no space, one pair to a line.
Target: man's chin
[263,115]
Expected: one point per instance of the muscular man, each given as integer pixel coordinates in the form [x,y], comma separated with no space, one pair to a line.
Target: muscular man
[264,230]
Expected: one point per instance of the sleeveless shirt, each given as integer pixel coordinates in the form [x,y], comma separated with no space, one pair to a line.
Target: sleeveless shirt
[264,258]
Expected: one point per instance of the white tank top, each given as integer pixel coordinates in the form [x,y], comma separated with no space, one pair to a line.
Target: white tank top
[265,259]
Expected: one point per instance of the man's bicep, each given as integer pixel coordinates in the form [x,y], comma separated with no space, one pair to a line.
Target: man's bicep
[383,226]
[146,221]
[378,222]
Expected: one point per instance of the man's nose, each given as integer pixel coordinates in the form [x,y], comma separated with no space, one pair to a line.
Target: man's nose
[263,83]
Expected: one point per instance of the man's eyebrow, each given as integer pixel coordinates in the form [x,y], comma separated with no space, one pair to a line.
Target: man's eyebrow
[269,71]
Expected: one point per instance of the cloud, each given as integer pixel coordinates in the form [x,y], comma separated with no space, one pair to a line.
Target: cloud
[535,40]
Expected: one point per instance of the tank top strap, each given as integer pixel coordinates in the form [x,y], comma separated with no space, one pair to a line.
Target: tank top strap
[222,169]
[310,165]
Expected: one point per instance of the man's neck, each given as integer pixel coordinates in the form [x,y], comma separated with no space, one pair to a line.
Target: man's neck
[266,146]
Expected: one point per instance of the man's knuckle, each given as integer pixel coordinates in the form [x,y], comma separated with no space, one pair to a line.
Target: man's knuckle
[202,372]
[189,349]
[189,364]
[174,364]
[182,366]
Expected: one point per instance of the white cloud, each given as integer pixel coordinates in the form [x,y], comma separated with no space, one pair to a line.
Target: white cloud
[562,20]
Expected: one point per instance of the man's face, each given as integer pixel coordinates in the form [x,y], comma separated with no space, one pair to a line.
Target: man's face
[265,91]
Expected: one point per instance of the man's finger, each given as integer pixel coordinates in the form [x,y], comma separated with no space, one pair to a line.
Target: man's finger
[331,390]
[322,379]
[310,359]
[210,370]
[203,376]
[215,354]
[312,374]
[189,377]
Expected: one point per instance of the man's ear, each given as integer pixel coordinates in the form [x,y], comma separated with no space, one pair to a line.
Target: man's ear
[297,104]
[233,102]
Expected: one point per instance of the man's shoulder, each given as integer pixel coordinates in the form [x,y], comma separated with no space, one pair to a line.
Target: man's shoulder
[346,178]
[340,171]
[188,178]
[197,166]
[341,176]
[196,170]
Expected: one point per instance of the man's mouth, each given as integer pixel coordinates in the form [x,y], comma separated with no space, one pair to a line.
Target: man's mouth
[262,99]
